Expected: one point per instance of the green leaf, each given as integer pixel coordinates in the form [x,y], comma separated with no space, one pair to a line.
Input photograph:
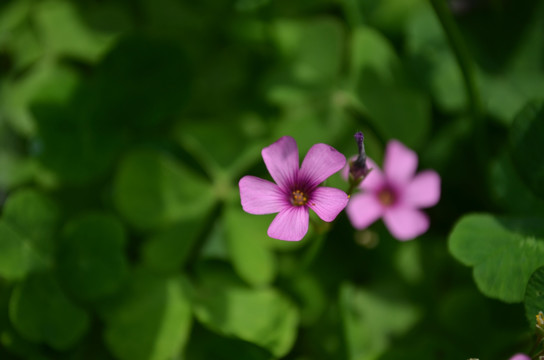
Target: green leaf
[74,148]
[22,42]
[168,250]
[26,229]
[32,214]
[499,34]
[167,18]
[205,345]
[313,48]
[396,108]
[534,296]
[262,316]
[215,244]
[63,33]
[16,260]
[519,78]
[432,60]
[248,243]
[504,94]
[370,321]
[231,145]
[311,296]
[466,302]
[250,5]
[152,322]
[151,190]
[14,344]
[41,312]
[138,95]
[510,191]
[12,15]
[44,82]
[526,139]
[408,261]
[81,141]
[389,15]
[313,121]
[504,252]
[15,169]
[91,259]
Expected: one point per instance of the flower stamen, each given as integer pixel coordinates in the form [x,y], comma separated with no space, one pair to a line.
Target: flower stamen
[298,198]
[386,197]
[540,320]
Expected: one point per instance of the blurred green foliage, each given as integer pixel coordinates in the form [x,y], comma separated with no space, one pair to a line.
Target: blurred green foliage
[126,125]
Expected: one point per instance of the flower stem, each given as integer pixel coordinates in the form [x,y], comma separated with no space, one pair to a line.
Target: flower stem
[538,356]
[246,159]
[312,250]
[461,53]
[538,342]
[352,187]
[352,12]
[475,109]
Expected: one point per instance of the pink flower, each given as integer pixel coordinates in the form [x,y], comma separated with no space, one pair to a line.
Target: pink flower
[396,194]
[296,190]
[520,357]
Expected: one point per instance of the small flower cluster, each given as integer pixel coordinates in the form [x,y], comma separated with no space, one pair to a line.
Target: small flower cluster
[395,194]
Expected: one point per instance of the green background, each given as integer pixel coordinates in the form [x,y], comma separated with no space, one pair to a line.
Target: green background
[125,127]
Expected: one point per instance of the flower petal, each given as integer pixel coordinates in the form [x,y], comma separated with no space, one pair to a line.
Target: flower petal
[290,224]
[520,356]
[400,163]
[260,196]
[281,159]
[327,202]
[321,161]
[363,209]
[423,190]
[405,223]
[375,179]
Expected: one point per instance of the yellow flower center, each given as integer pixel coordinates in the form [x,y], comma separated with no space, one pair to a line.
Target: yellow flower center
[386,197]
[298,198]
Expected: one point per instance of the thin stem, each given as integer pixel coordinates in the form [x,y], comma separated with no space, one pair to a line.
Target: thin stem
[199,153]
[312,250]
[352,12]
[539,339]
[466,65]
[461,53]
[247,159]
[352,186]
[538,355]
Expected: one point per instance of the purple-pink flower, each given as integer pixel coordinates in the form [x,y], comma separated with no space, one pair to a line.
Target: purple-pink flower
[396,194]
[520,356]
[296,190]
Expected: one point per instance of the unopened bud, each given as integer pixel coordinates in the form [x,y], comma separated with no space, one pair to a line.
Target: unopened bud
[358,168]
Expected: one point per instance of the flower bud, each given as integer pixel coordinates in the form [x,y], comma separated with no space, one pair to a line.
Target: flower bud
[358,168]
